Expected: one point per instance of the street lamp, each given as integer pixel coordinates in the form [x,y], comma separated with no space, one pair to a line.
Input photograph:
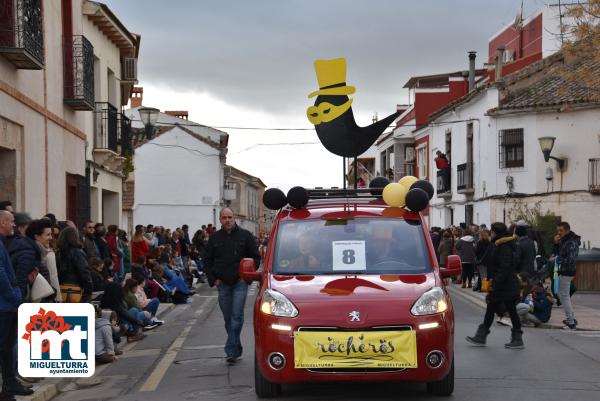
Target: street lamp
[149,117]
[547,143]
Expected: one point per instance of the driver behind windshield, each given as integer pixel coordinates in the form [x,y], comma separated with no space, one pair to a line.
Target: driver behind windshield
[306,257]
[381,244]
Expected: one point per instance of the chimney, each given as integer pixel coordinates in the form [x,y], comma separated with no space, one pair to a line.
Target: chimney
[499,61]
[137,94]
[178,113]
[472,55]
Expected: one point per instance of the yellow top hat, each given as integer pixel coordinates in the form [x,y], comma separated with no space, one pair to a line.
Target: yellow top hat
[331,75]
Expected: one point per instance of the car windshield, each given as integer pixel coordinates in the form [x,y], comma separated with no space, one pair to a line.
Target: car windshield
[351,246]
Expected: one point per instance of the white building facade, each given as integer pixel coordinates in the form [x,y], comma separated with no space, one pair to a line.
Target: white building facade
[178,174]
[496,160]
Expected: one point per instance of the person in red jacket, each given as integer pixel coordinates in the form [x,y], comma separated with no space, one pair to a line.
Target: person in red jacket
[139,244]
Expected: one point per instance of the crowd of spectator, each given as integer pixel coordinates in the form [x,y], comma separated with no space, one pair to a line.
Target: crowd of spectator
[125,280]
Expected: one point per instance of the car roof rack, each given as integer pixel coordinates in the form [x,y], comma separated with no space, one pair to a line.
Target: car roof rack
[324,193]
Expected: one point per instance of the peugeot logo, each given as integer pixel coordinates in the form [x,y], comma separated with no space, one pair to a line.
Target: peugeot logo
[354,316]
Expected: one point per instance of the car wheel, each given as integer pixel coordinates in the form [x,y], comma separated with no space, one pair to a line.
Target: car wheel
[443,387]
[263,387]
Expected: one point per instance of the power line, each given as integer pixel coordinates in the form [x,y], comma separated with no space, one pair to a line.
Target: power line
[277,144]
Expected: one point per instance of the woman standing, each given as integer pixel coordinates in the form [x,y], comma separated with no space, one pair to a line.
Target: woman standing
[72,263]
[466,251]
[506,288]
[483,255]
[40,231]
[139,244]
[446,247]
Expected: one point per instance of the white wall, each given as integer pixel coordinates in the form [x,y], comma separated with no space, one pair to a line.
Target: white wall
[178,180]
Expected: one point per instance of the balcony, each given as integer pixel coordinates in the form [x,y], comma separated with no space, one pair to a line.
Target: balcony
[78,73]
[21,36]
[129,70]
[464,178]
[107,137]
[594,176]
[444,188]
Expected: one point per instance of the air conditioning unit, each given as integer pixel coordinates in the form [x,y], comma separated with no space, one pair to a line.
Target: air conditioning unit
[129,69]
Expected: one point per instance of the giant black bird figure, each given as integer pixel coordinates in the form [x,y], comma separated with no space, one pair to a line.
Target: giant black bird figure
[332,113]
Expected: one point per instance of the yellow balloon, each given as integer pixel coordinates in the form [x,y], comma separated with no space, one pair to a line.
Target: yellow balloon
[408,180]
[394,194]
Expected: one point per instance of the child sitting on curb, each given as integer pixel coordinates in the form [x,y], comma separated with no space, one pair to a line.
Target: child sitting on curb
[105,347]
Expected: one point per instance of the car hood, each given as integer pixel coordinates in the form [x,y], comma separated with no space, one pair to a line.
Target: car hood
[352,288]
[332,301]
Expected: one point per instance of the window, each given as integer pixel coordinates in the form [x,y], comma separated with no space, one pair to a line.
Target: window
[360,245]
[511,148]
[422,161]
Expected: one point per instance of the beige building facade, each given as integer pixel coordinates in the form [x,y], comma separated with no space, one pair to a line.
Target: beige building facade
[51,76]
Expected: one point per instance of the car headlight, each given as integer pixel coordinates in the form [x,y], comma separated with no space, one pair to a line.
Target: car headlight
[433,301]
[276,304]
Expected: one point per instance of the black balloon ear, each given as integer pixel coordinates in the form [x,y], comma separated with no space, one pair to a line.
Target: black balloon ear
[377,184]
[297,197]
[417,200]
[425,186]
[274,199]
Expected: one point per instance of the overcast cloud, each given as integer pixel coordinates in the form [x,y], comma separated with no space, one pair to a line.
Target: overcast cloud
[250,63]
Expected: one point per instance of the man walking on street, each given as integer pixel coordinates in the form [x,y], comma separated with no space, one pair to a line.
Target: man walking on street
[10,299]
[506,287]
[224,251]
[566,249]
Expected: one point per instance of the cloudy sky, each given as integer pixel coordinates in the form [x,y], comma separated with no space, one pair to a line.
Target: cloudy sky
[250,64]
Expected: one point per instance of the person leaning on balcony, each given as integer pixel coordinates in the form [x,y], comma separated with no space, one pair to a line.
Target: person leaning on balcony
[441,161]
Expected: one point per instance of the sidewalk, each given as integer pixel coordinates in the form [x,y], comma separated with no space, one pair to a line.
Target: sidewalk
[585,304]
[49,388]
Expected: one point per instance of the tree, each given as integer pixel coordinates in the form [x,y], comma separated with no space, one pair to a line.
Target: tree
[580,33]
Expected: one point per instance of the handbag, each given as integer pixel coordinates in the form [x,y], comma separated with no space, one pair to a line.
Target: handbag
[39,290]
[486,285]
[71,293]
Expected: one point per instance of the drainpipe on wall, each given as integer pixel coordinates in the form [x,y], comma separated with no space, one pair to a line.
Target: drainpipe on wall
[472,55]
[499,61]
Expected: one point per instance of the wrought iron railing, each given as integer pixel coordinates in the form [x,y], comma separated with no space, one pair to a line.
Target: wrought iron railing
[443,181]
[464,177]
[129,69]
[21,34]
[79,73]
[126,139]
[594,175]
[106,132]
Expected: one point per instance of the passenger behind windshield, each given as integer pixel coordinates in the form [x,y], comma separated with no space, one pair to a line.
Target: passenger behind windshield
[306,258]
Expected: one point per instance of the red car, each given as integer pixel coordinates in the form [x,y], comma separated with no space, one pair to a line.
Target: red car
[351,291]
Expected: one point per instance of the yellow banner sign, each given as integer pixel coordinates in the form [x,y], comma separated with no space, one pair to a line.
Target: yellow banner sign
[355,349]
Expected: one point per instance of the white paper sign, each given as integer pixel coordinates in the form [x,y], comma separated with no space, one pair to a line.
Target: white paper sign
[349,255]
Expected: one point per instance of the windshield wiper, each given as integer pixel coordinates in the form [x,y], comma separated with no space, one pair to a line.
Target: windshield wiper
[344,273]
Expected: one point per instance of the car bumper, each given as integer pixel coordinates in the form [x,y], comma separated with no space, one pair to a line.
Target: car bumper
[270,340]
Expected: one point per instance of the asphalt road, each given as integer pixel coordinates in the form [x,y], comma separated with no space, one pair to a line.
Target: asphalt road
[183,360]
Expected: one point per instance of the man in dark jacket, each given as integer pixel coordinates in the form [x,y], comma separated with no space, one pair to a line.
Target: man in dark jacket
[10,299]
[24,254]
[224,251]
[526,252]
[100,241]
[506,287]
[566,249]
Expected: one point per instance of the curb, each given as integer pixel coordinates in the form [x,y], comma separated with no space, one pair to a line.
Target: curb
[47,391]
[478,301]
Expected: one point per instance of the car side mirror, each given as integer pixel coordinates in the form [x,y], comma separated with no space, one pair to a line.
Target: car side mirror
[248,271]
[453,267]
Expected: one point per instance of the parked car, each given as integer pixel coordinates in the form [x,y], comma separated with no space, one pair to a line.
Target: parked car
[350,290]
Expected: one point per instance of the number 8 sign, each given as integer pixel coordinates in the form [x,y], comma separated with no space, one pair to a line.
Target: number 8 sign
[348,255]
